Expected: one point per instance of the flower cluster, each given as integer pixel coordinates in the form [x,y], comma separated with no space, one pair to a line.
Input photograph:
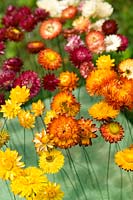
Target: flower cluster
[76,47]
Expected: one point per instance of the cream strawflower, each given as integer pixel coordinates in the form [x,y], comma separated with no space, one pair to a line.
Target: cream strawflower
[98,25]
[103,9]
[112,43]
[54,8]
[89,8]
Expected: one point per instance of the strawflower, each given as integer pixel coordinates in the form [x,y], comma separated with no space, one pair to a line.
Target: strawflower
[124,158]
[105,62]
[50,114]
[51,161]
[42,142]
[4,137]
[125,68]
[50,82]
[51,191]
[10,165]
[103,111]
[26,119]
[29,183]
[38,108]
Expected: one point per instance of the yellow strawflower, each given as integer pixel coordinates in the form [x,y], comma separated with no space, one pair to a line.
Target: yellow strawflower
[38,108]
[4,137]
[105,62]
[26,119]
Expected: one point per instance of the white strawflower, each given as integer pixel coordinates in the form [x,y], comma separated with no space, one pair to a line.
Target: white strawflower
[70,2]
[112,43]
[54,8]
[88,8]
[98,24]
[103,9]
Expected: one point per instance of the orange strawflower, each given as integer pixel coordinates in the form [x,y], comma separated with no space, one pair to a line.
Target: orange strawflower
[50,28]
[49,59]
[87,131]
[69,12]
[35,46]
[97,79]
[103,111]
[112,132]
[64,131]
[81,24]
[68,81]
[124,159]
[65,102]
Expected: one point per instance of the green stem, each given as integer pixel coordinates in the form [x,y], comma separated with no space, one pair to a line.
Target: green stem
[107,181]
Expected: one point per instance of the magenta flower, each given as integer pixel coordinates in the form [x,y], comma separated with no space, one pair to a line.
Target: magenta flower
[12,64]
[73,43]
[2,48]
[124,42]
[7,79]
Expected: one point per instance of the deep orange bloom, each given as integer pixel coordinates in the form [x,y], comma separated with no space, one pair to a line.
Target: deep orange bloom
[87,131]
[63,131]
[112,131]
[49,59]
[65,103]
[35,46]
[98,79]
[69,12]
[50,28]
[14,34]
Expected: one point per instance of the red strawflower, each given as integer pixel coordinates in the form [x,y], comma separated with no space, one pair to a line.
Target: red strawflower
[7,79]
[14,34]
[2,99]
[35,46]
[80,55]
[13,64]
[40,14]
[50,82]
[2,48]
[124,42]
[2,34]
[109,27]
[31,80]
[86,68]
[28,23]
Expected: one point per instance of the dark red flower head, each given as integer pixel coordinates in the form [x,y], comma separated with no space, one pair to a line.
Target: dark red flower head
[2,48]
[50,82]
[109,27]
[2,99]
[12,64]
[124,42]
[80,55]
[40,14]
[7,79]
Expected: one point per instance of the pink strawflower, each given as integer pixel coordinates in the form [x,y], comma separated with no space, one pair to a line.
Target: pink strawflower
[12,64]
[31,80]
[50,82]
[86,68]
[124,42]
[7,79]
[2,48]
[73,42]
[80,55]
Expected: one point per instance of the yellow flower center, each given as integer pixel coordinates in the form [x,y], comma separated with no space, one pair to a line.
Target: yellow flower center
[50,56]
[51,194]
[114,128]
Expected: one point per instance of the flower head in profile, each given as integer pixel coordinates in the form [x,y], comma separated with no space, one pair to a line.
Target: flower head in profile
[81,24]
[29,183]
[124,158]
[65,103]
[42,142]
[4,137]
[14,34]
[105,62]
[50,28]
[10,109]
[49,59]
[68,81]
[26,119]
[87,131]
[126,68]
[35,46]
[51,161]
[103,111]
[112,131]
[63,131]
[10,165]
[51,191]
[19,94]
[38,108]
